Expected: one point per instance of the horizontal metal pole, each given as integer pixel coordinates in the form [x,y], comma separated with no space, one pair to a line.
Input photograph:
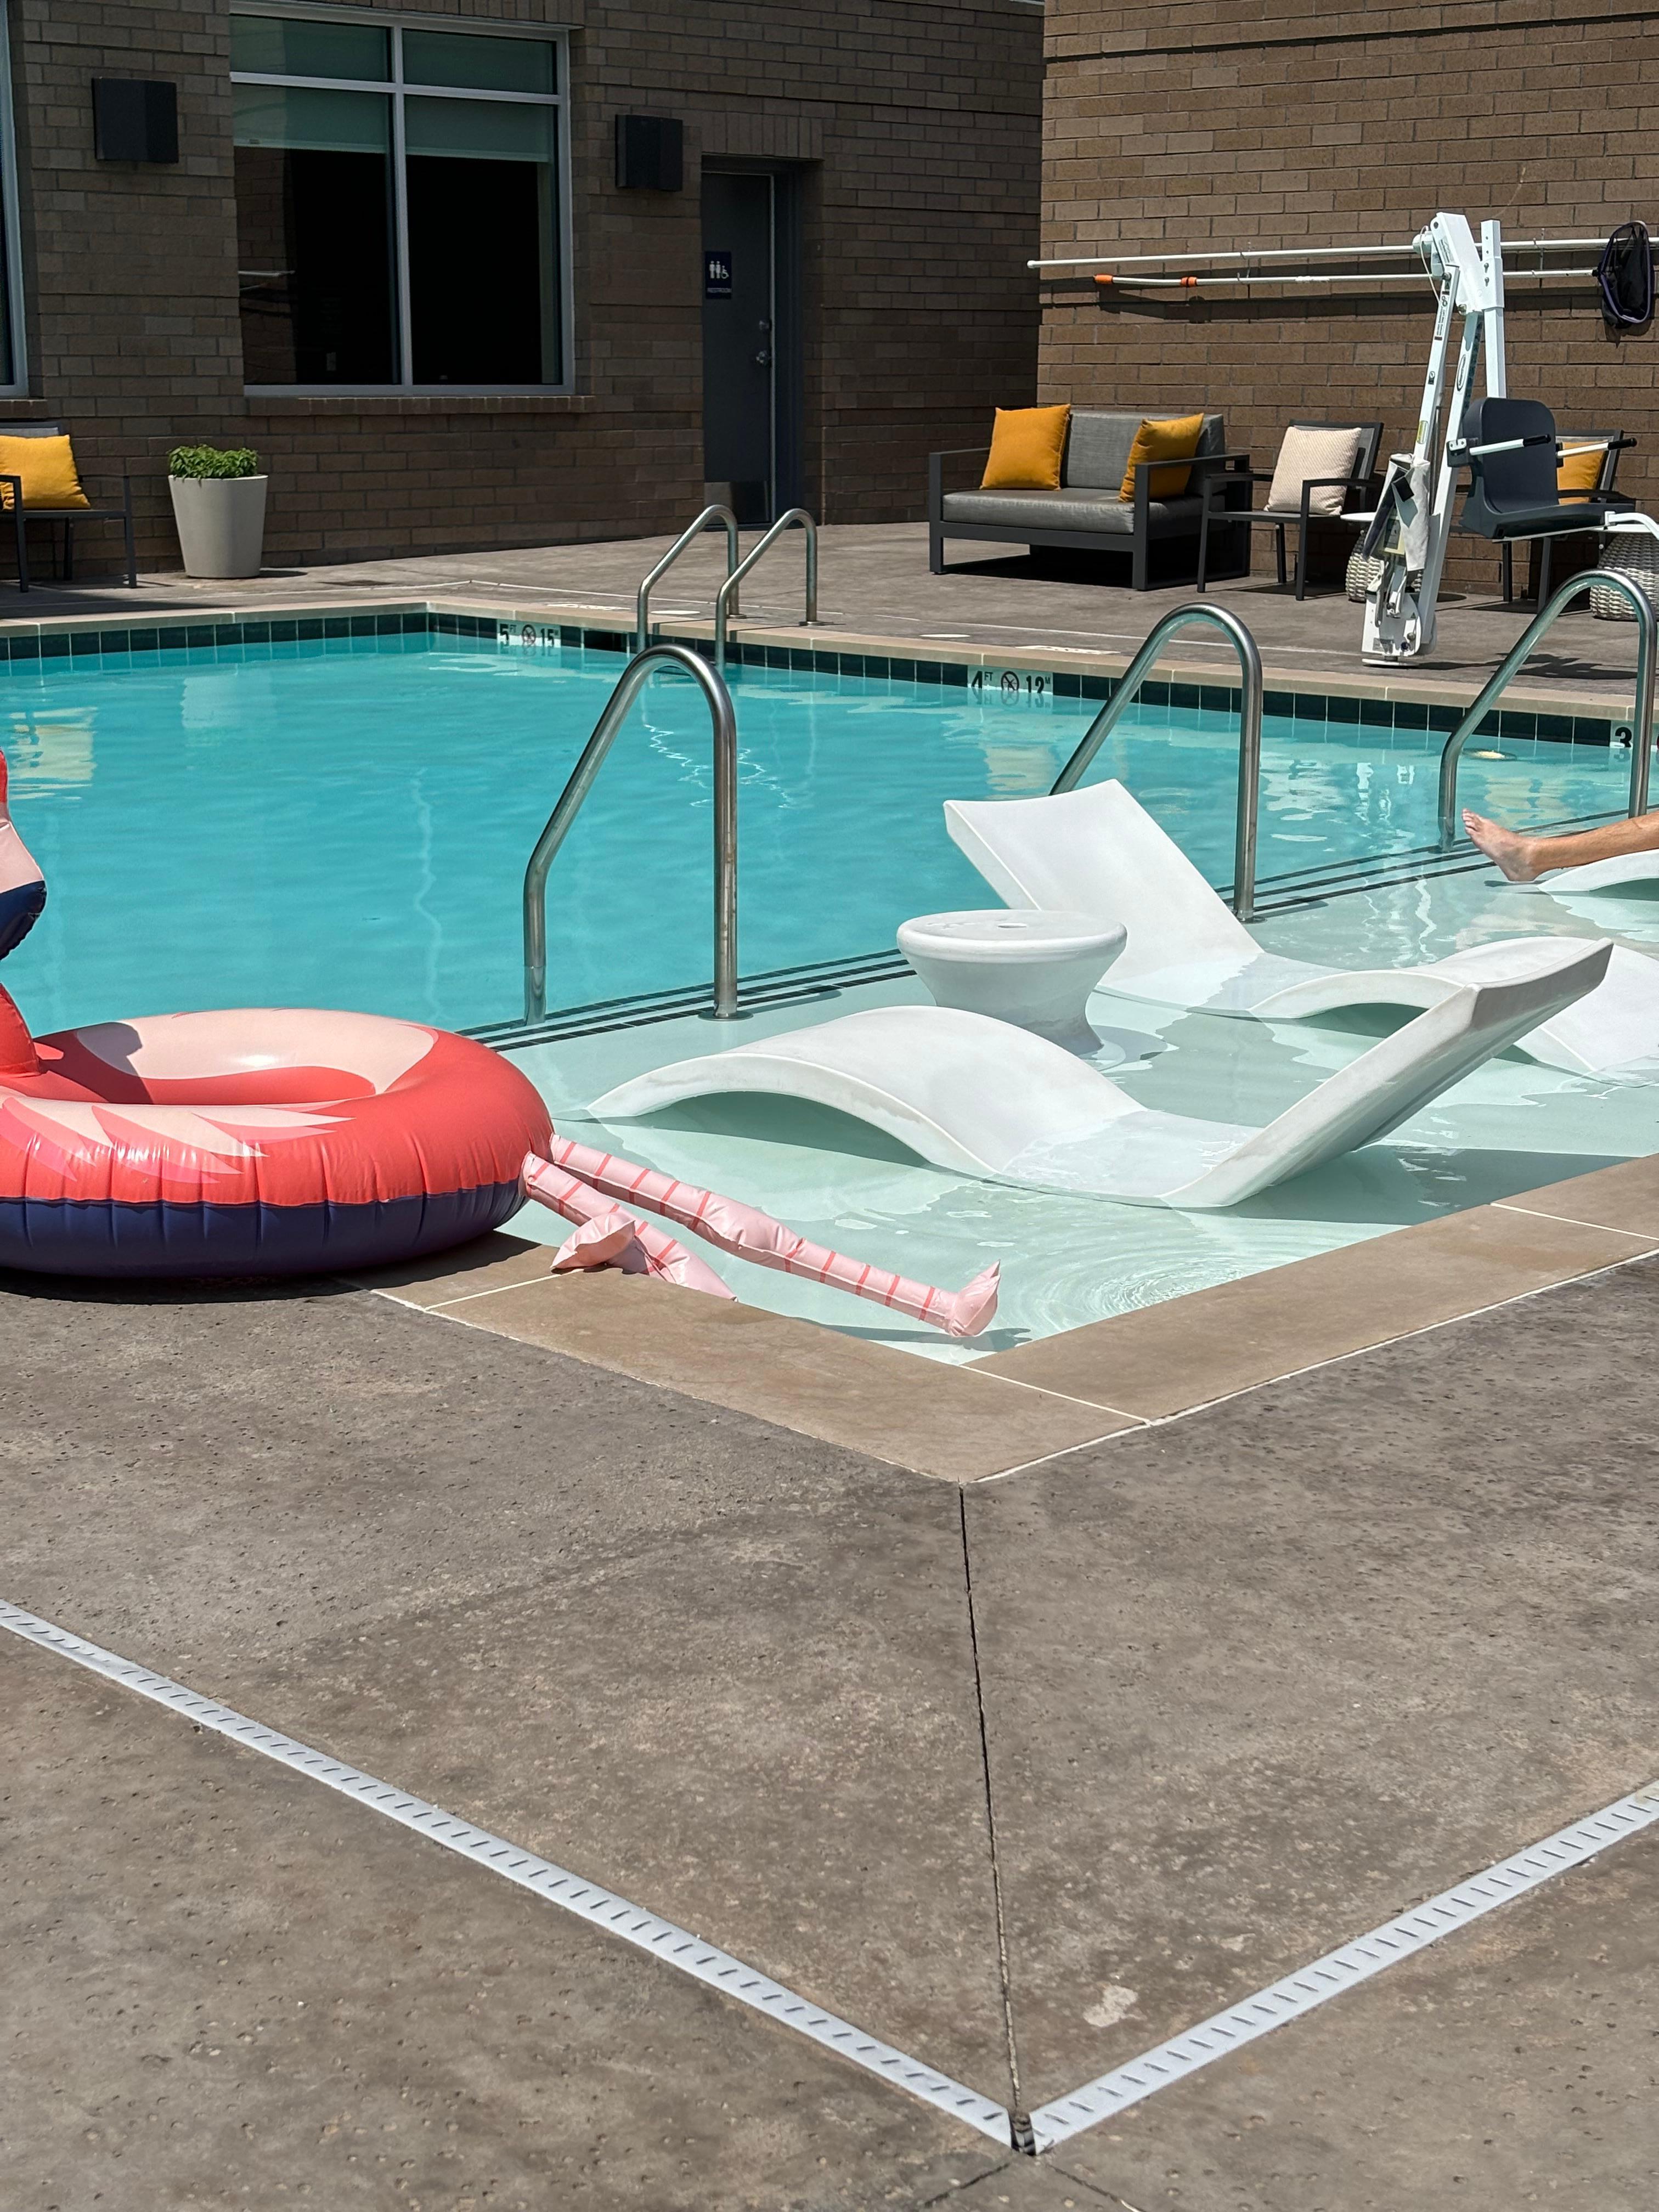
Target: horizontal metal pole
[1300,253]
[1207,283]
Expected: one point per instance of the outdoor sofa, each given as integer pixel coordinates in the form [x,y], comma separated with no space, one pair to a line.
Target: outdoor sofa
[1086,514]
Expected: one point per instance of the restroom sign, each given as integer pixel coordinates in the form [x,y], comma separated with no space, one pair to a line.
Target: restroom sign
[716,274]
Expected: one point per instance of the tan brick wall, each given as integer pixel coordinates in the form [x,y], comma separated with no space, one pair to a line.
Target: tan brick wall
[918,121]
[1277,123]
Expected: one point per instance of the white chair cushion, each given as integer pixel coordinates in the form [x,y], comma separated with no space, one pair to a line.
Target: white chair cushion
[1308,453]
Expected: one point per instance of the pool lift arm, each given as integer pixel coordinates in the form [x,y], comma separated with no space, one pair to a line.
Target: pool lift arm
[1412,522]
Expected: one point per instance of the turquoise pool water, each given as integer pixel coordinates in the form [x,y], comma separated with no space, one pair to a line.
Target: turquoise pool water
[346,823]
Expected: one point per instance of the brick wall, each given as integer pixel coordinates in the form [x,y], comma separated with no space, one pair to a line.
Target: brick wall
[1275,123]
[915,123]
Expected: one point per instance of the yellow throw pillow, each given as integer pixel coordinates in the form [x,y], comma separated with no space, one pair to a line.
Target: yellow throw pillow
[47,468]
[1175,440]
[1026,444]
[1576,475]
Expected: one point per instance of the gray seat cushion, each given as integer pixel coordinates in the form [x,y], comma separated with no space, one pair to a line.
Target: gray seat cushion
[1102,512]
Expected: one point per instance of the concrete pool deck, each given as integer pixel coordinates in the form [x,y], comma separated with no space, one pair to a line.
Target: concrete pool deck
[1021,1776]
[1021,1714]
[876,593]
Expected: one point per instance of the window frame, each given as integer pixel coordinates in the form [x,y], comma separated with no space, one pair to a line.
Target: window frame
[17,385]
[396,88]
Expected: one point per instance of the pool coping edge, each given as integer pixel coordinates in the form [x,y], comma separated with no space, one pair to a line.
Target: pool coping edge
[1061,1393]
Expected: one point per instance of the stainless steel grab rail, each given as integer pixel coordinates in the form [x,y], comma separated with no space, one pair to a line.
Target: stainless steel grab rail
[706,520]
[1249,732]
[628,685]
[1642,728]
[726,602]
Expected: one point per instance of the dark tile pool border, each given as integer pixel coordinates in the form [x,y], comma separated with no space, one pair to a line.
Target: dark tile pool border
[109,640]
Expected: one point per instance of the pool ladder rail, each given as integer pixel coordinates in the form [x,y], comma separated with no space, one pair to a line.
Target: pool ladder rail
[710,518]
[1249,732]
[723,719]
[726,600]
[1542,622]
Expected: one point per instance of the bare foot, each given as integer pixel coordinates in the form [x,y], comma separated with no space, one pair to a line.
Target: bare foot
[1513,854]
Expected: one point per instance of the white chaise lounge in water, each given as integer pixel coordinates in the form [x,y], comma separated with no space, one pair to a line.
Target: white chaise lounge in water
[984,1098]
[1600,875]
[1097,850]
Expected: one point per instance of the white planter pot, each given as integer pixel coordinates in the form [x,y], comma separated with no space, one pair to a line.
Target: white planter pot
[221,523]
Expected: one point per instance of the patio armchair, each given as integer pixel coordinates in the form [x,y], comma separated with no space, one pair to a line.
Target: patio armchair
[1301,439]
[22,514]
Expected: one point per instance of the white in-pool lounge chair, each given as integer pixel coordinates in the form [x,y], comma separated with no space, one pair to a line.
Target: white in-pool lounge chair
[1600,875]
[1099,851]
[984,1098]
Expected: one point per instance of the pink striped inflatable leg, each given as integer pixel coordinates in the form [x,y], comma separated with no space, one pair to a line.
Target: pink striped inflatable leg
[599,1240]
[748,1234]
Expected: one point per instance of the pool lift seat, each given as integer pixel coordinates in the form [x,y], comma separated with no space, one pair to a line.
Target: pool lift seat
[980,1097]
[1511,451]
[1099,851]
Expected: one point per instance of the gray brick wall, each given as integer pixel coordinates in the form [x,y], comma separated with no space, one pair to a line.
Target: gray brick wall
[1274,123]
[917,120]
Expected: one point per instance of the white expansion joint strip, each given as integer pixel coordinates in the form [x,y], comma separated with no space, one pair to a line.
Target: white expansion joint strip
[660,1939]
[1051,2124]
[1343,1969]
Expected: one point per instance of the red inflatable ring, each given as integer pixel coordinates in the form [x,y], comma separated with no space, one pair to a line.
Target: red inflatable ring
[259,1141]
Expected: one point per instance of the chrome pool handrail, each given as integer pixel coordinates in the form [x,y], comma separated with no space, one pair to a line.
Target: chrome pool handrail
[1249,732]
[725,601]
[1641,727]
[710,516]
[724,720]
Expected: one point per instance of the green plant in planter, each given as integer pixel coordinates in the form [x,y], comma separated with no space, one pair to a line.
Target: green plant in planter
[196,461]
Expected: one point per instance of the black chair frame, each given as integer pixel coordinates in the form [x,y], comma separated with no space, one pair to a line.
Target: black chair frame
[22,516]
[1355,485]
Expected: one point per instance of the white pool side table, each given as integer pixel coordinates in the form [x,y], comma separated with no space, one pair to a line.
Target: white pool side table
[1017,964]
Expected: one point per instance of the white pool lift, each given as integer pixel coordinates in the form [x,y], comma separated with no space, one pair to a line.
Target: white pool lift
[983,1098]
[1099,850]
[1409,531]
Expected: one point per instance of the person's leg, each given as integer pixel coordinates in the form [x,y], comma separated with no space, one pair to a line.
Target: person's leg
[1523,858]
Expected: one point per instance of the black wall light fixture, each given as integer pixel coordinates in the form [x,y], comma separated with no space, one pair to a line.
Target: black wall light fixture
[650,153]
[135,119]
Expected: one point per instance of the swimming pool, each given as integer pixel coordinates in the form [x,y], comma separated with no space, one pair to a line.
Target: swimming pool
[345,823]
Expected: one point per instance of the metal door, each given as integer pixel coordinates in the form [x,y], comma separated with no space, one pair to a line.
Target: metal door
[739,343]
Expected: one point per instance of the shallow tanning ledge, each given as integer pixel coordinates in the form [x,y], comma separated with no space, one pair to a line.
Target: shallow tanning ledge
[981,1097]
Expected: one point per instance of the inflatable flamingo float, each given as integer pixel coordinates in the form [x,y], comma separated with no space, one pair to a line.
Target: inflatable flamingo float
[272,1141]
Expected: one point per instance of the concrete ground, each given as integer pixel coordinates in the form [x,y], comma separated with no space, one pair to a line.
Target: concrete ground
[1023,1777]
[875,584]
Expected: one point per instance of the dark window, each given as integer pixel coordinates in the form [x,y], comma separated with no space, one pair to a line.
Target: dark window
[315,231]
[352,274]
